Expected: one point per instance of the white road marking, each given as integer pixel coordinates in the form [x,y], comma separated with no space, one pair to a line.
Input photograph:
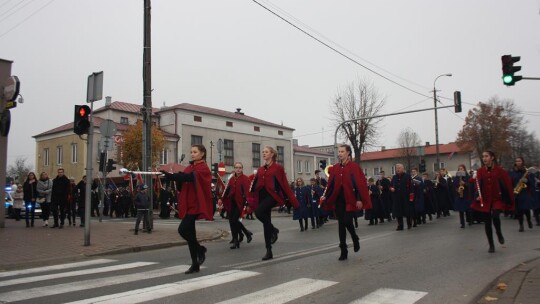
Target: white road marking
[31,293]
[282,293]
[171,289]
[54,267]
[391,296]
[26,280]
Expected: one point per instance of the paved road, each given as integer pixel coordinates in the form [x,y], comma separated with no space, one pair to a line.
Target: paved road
[435,263]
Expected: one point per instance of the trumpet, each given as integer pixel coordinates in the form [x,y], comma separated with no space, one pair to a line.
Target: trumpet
[461,188]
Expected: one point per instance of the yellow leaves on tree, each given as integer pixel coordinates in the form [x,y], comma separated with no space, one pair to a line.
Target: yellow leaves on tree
[132,146]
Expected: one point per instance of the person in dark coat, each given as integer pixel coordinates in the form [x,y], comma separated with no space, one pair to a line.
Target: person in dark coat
[142,204]
[462,188]
[386,196]
[442,193]
[61,189]
[418,207]
[402,197]
[496,196]
[429,197]
[314,196]
[235,198]
[272,188]
[30,195]
[376,213]
[301,214]
[164,202]
[346,194]
[524,190]
[194,202]
[81,200]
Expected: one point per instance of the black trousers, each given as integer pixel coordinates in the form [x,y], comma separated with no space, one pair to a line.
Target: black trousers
[30,211]
[345,221]
[234,222]
[186,229]
[495,219]
[59,212]
[142,214]
[264,215]
[520,213]
[45,210]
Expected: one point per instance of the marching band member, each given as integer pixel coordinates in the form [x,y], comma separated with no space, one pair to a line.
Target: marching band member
[495,196]
[272,187]
[195,202]
[235,195]
[374,214]
[301,214]
[315,193]
[429,198]
[418,207]
[524,191]
[403,197]
[346,193]
[462,195]
[386,196]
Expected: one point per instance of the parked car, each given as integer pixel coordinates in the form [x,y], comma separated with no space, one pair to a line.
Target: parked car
[10,213]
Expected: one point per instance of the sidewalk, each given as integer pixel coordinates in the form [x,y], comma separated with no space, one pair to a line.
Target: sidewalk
[30,247]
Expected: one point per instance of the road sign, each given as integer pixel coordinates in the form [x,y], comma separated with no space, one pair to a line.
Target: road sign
[106,143]
[94,89]
[107,128]
[221,169]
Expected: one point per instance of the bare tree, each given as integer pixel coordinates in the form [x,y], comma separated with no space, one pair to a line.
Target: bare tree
[19,170]
[408,141]
[358,99]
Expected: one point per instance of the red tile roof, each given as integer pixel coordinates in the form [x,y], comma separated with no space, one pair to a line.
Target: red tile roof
[124,107]
[309,150]
[222,113]
[428,150]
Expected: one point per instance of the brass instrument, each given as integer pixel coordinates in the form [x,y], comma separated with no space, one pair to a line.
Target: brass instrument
[521,185]
[327,170]
[461,188]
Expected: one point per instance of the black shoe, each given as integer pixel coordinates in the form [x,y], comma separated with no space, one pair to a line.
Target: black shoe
[462,226]
[491,248]
[274,236]
[136,232]
[249,236]
[192,269]
[232,241]
[521,228]
[501,239]
[530,224]
[301,229]
[202,254]
[356,243]
[149,231]
[241,238]
[268,255]
[399,228]
[235,245]
[344,252]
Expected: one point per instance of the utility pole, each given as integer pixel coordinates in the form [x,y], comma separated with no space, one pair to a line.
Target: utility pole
[438,163]
[147,106]
[5,73]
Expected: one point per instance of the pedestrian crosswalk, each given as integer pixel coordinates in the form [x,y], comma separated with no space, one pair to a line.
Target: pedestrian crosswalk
[81,283]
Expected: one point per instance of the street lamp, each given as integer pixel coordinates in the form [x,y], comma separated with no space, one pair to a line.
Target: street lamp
[436,120]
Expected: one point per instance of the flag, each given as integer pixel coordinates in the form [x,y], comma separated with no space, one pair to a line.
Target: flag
[451,155]
[157,185]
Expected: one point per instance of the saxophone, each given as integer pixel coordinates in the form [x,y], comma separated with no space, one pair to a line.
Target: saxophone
[521,185]
[461,188]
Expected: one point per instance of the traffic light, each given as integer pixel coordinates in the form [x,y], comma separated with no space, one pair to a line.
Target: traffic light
[215,168]
[81,123]
[457,101]
[102,161]
[422,166]
[110,165]
[322,164]
[508,68]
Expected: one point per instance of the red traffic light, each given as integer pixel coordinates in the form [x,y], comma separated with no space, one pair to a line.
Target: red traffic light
[82,112]
[81,122]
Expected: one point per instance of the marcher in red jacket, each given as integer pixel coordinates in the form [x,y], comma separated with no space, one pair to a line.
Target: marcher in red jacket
[346,193]
[235,199]
[496,195]
[194,202]
[273,190]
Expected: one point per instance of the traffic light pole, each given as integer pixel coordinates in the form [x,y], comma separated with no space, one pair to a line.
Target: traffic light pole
[89,172]
[378,116]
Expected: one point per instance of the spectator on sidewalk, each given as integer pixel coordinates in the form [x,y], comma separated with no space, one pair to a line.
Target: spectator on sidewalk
[30,196]
[71,210]
[142,203]
[60,192]
[18,202]
[81,199]
[44,188]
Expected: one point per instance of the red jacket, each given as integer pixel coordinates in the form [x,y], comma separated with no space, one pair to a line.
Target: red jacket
[352,180]
[237,189]
[496,189]
[196,194]
[274,180]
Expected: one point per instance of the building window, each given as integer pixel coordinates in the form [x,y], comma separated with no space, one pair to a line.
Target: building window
[197,118]
[299,166]
[196,140]
[124,120]
[228,123]
[441,165]
[377,171]
[279,132]
[365,171]
[257,129]
[59,155]
[393,170]
[307,166]
[228,148]
[74,153]
[46,156]
[280,155]
[256,155]
[164,157]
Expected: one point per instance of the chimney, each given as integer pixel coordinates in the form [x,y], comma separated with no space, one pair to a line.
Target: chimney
[383,148]
[163,107]
[108,101]
[295,142]
[239,111]
[427,143]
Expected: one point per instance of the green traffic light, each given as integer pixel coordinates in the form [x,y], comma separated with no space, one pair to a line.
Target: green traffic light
[508,79]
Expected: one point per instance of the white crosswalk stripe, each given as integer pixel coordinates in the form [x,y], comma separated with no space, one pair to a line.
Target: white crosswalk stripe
[391,296]
[73,273]
[282,293]
[54,267]
[165,290]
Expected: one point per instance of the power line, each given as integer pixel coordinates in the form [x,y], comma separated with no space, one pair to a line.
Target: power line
[12,8]
[25,19]
[14,12]
[8,1]
[339,52]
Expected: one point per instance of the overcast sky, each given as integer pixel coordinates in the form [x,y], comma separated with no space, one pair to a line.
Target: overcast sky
[232,54]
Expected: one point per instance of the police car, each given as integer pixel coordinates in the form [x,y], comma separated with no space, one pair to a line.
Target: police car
[10,212]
